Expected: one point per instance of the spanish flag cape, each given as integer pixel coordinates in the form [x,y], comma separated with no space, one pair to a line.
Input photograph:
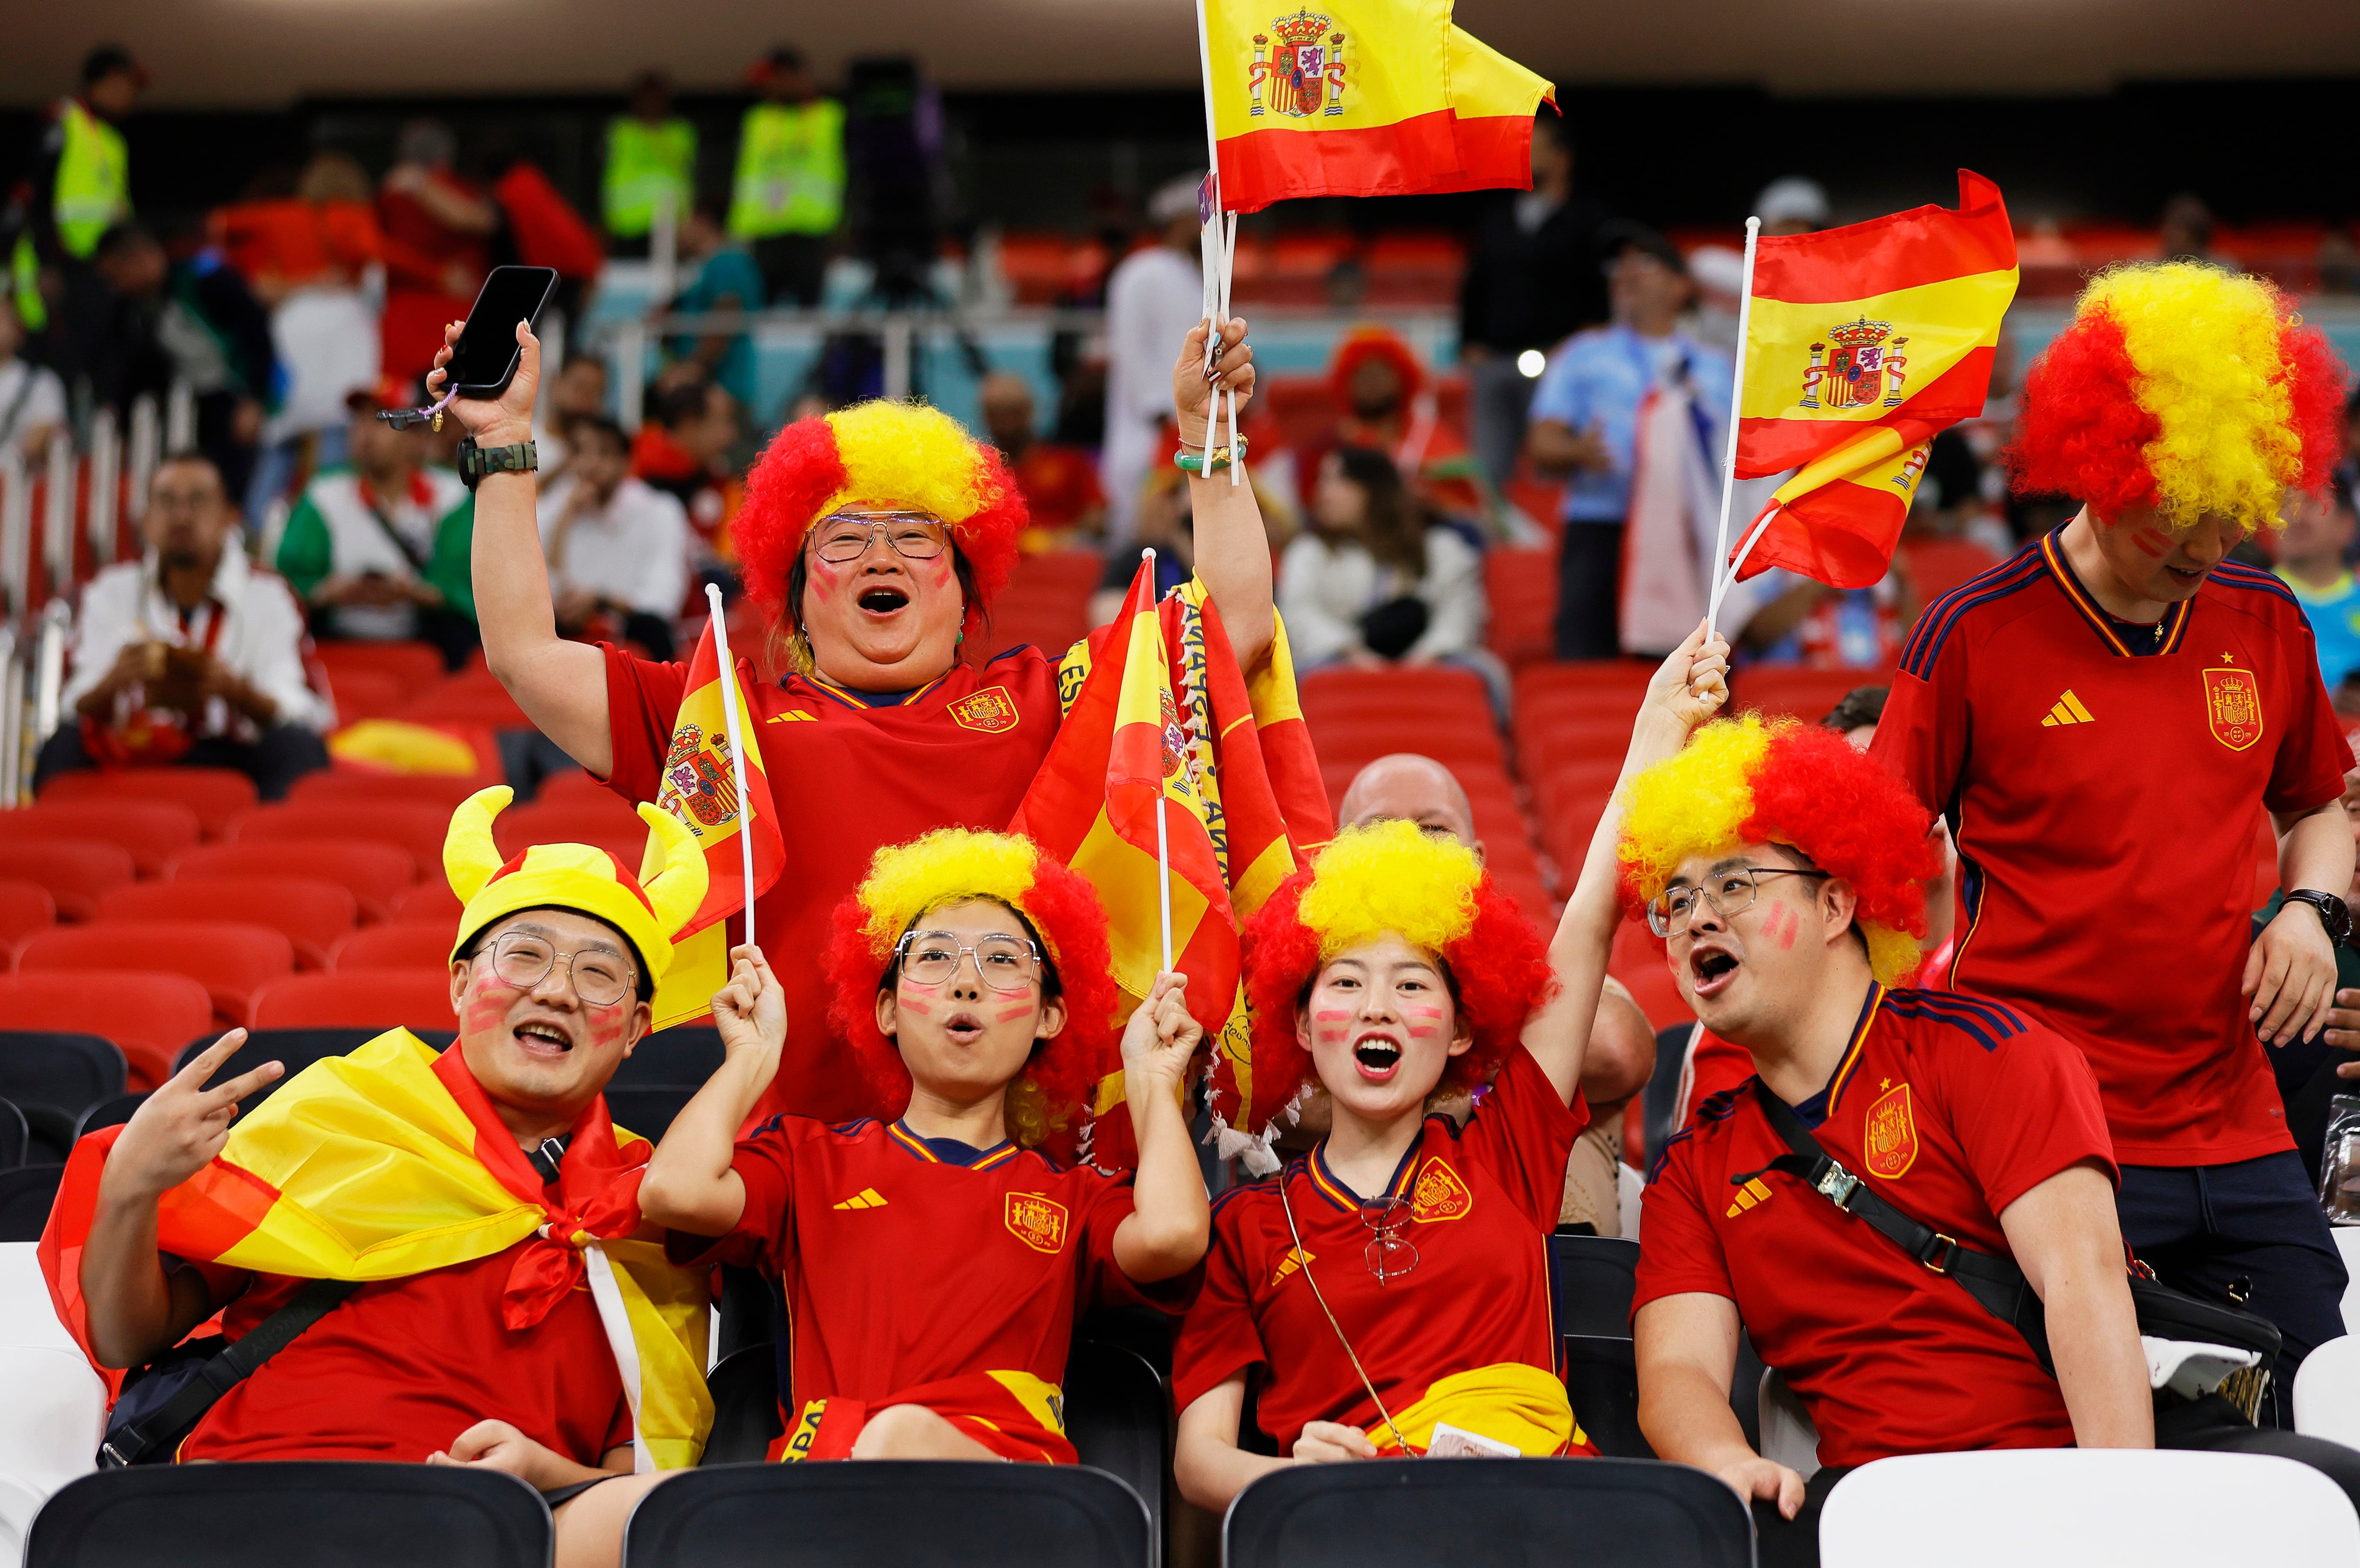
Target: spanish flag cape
[390,1163]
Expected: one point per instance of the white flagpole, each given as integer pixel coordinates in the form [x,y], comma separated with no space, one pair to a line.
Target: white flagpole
[1163,839]
[1217,255]
[737,748]
[1722,573]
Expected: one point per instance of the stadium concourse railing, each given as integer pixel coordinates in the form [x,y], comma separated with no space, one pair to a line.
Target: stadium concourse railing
[62,519]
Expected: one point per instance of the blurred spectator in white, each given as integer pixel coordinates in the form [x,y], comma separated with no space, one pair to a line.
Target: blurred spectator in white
[379,551]
[195,322]
[650,166]
[683,449]
[2312,553]
[1641,395]
[443,226]
[722,276]
[1718,273]
[32,398]
[1067,508]
[1793,205]
[618,549]
[1369,584]
[1156,295]
[1532,278]
[577,392]
[189,655]
[788,196]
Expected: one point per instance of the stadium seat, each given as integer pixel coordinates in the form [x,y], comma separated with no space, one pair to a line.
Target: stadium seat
[932,1511]
[229,958]
[147,1015]
[215,794]
[25,1195]
[648,1109]
[57,1417]
[419,829]
[403,944]
[367,694]
[293,1049]
[611,826]
[572,787]
[292,1515]
[67,1072]
[2052,1507]
[1119,1416]
[336,784]
[107,1113]
[414,666]
[1593,1279]
[1638,962]
[431,899]
[375,874]
[1788,1436]
[374,999]
[685,1054]
[745,1388]
[1442,685]
[1611,682]
[1521,587]
[2327,1392]
[2347,1244]
[309,913]
[74,872]
[15,1137]
[1938,565]
[153,830]
[460,702]
[1777,691]
[1601,1513]
[26,907]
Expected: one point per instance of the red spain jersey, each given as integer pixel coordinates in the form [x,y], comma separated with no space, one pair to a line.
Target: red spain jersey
[1952,1107]
[851,773]
[2103,783]
[901,1261]
[1481,1202]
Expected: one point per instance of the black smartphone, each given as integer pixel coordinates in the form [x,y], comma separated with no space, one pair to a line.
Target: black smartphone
[487,357]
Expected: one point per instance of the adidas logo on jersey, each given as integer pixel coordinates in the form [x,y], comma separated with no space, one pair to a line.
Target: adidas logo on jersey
[1753,1195]
[867,1198]
[2067,710]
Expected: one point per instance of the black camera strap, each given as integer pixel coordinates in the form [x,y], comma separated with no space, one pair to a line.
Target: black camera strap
[140,1443]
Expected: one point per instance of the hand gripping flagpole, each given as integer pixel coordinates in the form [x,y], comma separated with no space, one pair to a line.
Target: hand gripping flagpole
[1217,249]
[1163,836]
[1723,574]
[737,748]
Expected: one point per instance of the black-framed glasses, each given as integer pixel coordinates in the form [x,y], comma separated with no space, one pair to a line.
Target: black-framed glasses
[1390,1253]
[1728,892]
[1005,963]
[600,978]
[845,536]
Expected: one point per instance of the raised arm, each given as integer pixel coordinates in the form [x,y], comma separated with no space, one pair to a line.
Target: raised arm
[1232,546]
[689,1185]
[560,685]
[1688,688]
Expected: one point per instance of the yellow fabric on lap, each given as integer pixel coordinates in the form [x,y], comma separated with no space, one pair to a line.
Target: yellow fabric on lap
[1507,1402]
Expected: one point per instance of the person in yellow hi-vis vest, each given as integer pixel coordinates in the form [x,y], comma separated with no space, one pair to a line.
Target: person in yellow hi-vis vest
[789,192]
[90,185]
[650,163]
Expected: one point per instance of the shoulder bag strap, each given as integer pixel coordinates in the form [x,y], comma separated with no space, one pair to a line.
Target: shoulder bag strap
[134,1443]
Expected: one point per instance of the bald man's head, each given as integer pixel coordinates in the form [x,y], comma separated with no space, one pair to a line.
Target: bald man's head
[1405,787]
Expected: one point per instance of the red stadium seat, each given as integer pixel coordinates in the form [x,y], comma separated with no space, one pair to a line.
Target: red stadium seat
[375,874]
[463,700]
[612,826]
[1638,962]
[413,666]
[336,784]
[1777,691]
[430,899]
[153,830]
[1938,565]
[572,787]
[1442,685]
[75,871]
[358,998]
[149,1017]
[419,829]
[309,913]
[1520,585]
[367,694]
[215,794]
[403,944]
[26,907]
[230,960]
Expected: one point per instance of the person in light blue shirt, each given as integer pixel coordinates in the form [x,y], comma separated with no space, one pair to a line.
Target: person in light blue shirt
[2318,530]
[1585,418]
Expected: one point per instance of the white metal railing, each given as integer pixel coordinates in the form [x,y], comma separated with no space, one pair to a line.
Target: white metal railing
[16,531]
[49,668]
[105,477]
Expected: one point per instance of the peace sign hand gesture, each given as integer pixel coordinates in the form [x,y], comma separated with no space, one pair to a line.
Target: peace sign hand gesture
[177,1130]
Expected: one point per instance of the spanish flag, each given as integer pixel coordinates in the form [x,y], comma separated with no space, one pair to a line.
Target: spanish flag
[700,788]
[1359,98]
[391,1162]
[1863,342]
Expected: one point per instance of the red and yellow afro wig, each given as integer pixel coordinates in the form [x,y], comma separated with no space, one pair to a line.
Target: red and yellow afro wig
[1362,344]
[951,865]
[1389,878]
[2183,388]
[1742,781]
[878,455]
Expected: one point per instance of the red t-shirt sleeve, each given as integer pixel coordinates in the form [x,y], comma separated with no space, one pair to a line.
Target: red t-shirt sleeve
[1218,1338]
[1680,1254]
[1922,736]
[2023,1110]
[763,1237]
[2313,756]
[1522,1136]
[642,700]
[1111,1203]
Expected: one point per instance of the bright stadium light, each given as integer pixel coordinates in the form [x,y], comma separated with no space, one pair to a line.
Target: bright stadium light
[1532,362]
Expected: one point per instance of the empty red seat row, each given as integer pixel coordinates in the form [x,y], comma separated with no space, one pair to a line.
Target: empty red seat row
[214,794]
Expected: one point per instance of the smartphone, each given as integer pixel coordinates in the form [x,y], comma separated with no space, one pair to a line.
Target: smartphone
[486,359]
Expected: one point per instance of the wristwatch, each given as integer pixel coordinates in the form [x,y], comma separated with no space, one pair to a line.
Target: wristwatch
[2334,913]
[475,462]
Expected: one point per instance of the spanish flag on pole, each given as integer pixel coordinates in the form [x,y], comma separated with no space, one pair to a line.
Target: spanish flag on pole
[701,789]
[1860,343]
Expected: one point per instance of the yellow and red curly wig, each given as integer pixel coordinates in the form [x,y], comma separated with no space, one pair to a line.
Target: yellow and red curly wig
[949,865]
[1389,878]
[1362,344]
[1743,781]
[878,455]
[2182,387]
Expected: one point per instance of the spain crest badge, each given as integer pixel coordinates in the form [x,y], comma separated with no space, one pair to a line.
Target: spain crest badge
[991,710]
[1889,1137]
[1439,1194]
[2233,706]
[1303,70]
[1038,1222]
[1863,366]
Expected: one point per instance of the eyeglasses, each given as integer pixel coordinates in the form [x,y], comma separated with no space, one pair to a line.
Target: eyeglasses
[1733,890]
[1005,963]
[845,536]
[600,978]
[1390,1254]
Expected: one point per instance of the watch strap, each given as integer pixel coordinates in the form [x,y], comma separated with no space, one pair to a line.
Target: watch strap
[2334,912]
[476,461]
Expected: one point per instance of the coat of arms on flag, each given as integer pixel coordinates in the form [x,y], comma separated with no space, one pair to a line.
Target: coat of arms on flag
[700,790]
[1864,364]
[1307,60]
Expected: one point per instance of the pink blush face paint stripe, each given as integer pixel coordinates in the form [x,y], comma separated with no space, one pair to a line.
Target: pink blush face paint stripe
[1009,1015]
[1334,1015]
[2151,543]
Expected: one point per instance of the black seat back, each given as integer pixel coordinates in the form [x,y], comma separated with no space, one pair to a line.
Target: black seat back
[293,1049]
[938,1513]
[688,1053]
[292,1515]
[1592,1281]
[648,1110]
[1489,1513]
[745,1421]
[108,1113]
[1120,1420]
[69,1072]
[26,1194]
[1663,1091]
[13,1136]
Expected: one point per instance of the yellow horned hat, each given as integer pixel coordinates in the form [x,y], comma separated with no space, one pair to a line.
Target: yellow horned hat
[574,876]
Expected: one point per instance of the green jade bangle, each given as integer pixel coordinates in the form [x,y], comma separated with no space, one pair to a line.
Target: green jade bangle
[1221,457]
